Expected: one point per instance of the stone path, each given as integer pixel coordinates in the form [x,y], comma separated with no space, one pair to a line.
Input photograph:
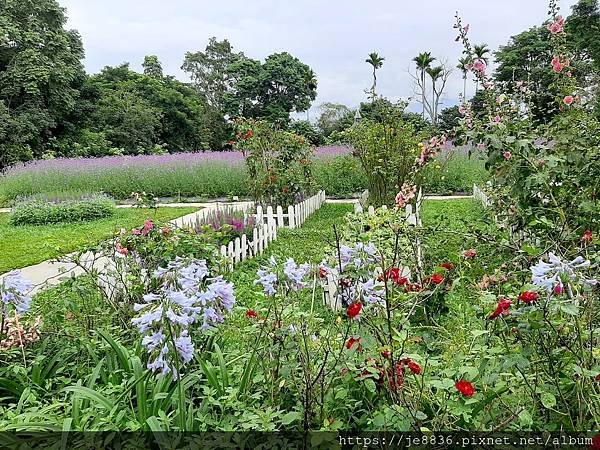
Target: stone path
[53,272]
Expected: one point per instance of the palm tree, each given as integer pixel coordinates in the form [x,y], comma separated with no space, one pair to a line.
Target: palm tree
[423,61]
[435,73]
[377,62]
[481,51]
[462,66]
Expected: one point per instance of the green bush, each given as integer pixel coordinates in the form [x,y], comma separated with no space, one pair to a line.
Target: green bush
[340,177]
[454,173]
[39,211]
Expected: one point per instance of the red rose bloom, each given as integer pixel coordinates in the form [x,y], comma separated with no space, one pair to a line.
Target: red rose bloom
[501,309]
[395,274]
[436,278]
[465,388]
[387,354]
[351,342]
[248,134]
[322,272]
[447,266]
[470,254]
[587,237]
[354,310]
[529,297]
[251,314]
[413,366]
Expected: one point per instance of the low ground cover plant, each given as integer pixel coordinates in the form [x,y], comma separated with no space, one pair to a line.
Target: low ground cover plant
[38,210]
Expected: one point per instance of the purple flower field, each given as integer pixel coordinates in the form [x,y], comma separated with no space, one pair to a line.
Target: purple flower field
[91,165]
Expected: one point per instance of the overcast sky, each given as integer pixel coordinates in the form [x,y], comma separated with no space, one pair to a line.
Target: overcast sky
[333,37]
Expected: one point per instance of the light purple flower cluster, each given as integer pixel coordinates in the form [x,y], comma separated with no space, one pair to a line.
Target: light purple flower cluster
[293,276]
[186,297]
[549,275]
[15,290]
[359,255]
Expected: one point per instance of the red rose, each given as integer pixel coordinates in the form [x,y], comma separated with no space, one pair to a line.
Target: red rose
[501,309]
[470,254]
[251,314]
[351,342]
[447,266]
[465,388]
[587,237]
[387,354]
[529,297]
[248,134]
[413,366]
[558,289]
[437,278]
[413,288]
[395,274]
[354,310]
[322,272]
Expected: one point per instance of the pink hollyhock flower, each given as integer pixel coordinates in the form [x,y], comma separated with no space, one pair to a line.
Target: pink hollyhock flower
[400,201]
[466,28]
[481,146]
[121,250]
[557,65]
[507,155]
[568,100]
[558,26]
[479,66]
[148,225]
[462,110]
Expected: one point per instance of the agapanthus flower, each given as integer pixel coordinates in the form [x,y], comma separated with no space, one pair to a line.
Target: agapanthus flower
[268,280]
[372,292]
[295,274]
[187,296]
[16,290]
[548,275]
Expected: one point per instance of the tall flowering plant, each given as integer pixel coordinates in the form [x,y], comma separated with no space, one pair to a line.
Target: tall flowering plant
[15,295]
[187,297]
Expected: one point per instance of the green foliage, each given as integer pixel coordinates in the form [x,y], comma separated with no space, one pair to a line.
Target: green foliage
[279,163]
[455,172]
[308,131]
[40,74]
[37,211]
[340,177]
[387,150]
[334,117]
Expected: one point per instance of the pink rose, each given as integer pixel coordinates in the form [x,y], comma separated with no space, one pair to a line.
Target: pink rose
[558,26]
[568,100]
[507,155]
[557,66]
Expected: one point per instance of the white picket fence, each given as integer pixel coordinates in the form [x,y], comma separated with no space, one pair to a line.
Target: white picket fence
[481,196]
[265,231]
[295,216]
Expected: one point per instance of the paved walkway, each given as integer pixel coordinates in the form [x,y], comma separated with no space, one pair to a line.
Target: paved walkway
[53,272]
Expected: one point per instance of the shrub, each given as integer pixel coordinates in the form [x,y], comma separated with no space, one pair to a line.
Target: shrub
[340,177]
[40,211]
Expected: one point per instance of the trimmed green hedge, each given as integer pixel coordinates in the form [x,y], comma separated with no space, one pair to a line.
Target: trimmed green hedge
[37,211]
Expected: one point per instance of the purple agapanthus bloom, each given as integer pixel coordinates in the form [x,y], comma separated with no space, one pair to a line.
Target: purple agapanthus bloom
[295,273]
[268,280]
[16,290]
[187,294]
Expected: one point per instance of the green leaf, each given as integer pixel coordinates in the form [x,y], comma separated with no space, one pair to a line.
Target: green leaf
[92,395]
[290,417]
[548,400]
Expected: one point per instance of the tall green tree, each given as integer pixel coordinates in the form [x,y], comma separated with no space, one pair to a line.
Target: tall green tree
[334,117]
[270,90]
[463,64]
[40,73]
[152,67]
[376,62]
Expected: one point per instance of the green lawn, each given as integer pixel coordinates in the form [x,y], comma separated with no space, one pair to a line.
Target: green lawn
[22,246]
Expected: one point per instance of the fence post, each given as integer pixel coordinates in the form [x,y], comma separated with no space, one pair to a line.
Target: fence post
[244,247]
[280,222]
[259,215]
[291,218]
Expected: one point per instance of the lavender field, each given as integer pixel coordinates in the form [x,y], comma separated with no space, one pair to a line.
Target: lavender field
[181,175]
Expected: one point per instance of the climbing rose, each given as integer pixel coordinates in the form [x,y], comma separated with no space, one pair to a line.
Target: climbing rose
[529,297]
[587,237]
[351,342]
[501,309]
[354,310]
[436,278]
[251,314]
[465,388]
[568,100]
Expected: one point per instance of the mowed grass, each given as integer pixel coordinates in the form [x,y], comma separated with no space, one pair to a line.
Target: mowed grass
[22,246]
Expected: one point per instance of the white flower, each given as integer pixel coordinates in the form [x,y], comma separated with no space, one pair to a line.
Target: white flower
[548,274]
